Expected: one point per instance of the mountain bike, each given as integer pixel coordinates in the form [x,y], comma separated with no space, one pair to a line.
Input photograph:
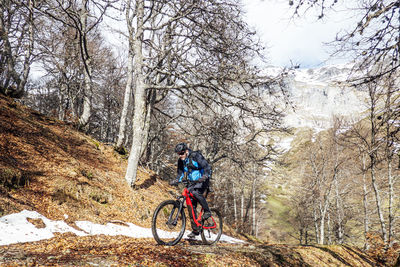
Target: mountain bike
[169,220]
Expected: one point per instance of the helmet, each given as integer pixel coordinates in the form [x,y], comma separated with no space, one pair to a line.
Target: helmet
[180,147]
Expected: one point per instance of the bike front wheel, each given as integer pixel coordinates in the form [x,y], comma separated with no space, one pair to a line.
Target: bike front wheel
[167,225]
[212,228]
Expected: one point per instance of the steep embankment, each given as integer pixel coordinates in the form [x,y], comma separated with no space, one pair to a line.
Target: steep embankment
[49,167]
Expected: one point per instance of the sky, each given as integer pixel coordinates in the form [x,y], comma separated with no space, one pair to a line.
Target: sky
[15,228]
[300,41]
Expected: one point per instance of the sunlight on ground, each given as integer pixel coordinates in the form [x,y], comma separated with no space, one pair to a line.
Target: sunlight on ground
[20,228]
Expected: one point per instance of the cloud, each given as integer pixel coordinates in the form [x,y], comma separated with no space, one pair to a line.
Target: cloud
[299,40]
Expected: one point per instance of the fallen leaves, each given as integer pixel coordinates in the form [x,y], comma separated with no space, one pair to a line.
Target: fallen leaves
[71,250]
[67,249]
[38,223]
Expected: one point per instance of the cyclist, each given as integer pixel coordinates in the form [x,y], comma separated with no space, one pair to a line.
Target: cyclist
[198,173]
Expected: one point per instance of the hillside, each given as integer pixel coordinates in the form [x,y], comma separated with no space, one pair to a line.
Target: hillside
[49,167]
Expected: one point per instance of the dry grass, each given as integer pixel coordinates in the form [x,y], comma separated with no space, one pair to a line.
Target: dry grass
[48,166]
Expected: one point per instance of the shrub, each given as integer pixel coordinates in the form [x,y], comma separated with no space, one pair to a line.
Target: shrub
[13,178]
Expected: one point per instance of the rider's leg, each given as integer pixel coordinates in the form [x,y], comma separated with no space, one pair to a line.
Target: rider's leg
[198,190]
[194,203]
[196,229]
[201,199]
[194,226]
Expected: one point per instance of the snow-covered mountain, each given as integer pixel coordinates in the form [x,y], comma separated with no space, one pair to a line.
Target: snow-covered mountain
[319,94]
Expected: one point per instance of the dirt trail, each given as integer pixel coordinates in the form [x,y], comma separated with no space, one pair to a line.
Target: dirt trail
[70,250]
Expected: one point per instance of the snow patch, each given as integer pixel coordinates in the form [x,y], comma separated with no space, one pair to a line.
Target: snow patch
[15,228]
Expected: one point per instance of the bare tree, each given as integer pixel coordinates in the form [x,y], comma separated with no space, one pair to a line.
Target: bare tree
[83,16]
[322,183]
[373,41]
[373,152]
[368,139]
[129,17]
[198,52]
[59,55]
[16,45]
[389,119]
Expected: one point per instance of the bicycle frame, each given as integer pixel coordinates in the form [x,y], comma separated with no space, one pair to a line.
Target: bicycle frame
[186,194]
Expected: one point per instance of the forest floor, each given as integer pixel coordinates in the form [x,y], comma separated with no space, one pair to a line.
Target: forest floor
[70,250]
[47,166]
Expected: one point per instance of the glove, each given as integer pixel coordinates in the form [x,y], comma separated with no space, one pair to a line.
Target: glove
[174,182]
[202,179]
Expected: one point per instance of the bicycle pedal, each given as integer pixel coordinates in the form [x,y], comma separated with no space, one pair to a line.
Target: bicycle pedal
[208,223]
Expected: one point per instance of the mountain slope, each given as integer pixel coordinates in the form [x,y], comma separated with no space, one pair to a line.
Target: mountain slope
[320,93]
[49,167]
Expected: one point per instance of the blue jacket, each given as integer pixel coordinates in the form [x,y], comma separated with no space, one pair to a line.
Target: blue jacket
[195,165]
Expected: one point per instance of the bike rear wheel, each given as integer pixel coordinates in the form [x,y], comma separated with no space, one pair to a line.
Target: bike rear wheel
[167,225]
[212,235]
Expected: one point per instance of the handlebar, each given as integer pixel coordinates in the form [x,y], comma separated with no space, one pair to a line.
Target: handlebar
[186,182]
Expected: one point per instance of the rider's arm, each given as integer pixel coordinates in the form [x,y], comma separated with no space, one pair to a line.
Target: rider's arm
[180,171]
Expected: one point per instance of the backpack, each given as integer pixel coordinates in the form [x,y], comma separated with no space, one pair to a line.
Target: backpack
[191,166]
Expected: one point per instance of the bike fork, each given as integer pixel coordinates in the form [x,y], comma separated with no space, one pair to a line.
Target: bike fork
[174,220]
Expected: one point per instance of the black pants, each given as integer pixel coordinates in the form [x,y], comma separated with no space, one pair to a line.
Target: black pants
[198,189]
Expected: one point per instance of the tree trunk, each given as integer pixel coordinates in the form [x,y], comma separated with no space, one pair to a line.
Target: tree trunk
[329,230]
[316,227]
[61,109]
[306,237]
[87,94]
[139,114]
[254,207]
[323,206]
[365,203]
[373,156]
[246,215]
[391,202]
[27,61]
[128,87]
[234,203]
[301,236]
[6,87]
[226,206]
[322,225]
[389,157]
[339,213]
[242,206]
[127,96]
[87,105]
[150,102]
[378,200]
